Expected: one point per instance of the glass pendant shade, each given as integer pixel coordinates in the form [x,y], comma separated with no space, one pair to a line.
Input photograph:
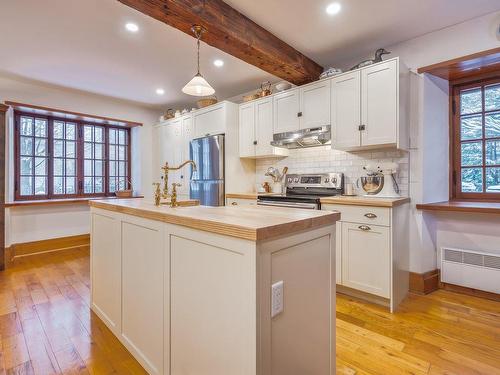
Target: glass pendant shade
[198,86]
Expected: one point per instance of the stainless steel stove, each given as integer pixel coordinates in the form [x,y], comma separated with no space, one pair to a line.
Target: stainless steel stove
[305,190]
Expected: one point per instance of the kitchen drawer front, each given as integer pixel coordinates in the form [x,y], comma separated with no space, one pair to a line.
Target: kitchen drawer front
[240,202]
[361,214]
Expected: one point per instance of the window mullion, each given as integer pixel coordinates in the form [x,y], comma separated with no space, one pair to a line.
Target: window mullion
[106,161]
[50,167]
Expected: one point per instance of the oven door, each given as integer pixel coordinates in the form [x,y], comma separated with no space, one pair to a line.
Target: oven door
[288,204]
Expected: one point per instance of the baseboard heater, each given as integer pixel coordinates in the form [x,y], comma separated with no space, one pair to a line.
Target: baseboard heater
[472,269]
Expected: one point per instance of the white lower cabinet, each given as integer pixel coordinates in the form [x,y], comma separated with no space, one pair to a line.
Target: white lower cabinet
[106,277]
[186,301]
[142,286]
[365,258]
[372,254]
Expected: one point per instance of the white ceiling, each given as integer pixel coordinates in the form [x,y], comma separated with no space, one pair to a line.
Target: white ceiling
[361,27]
[82,44]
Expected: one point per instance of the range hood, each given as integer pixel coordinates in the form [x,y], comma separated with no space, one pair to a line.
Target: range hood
[303,138]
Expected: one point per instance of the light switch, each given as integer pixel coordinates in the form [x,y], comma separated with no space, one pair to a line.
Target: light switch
[276,298]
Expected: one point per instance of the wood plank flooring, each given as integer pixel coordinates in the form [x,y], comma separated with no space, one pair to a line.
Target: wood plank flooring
[46,327]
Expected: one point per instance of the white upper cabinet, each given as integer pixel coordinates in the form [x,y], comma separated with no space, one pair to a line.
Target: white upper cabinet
[210,121]
[187,136]
[379,104]
[315,105]
[256,130]
[369,107]
[247,130]
[346,114]
[286,111]
[302,108]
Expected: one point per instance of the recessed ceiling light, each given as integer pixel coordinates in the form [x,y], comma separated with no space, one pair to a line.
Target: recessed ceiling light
[218,63]
[160,91]
[132,27]
[333,8]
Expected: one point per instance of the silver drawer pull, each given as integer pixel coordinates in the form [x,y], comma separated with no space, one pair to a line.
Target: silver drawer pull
[365,227]
[370,215]
[234,203]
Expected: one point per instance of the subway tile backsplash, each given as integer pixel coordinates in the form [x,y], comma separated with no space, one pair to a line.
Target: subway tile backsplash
[324,159]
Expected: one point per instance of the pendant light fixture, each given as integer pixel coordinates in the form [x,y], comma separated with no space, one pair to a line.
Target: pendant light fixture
[198,86]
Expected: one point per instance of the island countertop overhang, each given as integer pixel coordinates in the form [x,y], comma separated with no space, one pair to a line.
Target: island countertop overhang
[255,223]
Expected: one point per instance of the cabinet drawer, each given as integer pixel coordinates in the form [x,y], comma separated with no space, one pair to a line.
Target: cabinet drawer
[361,214]
[240,202]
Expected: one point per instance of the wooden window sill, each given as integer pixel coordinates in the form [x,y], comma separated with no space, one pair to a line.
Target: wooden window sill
[58,202]
[462,206]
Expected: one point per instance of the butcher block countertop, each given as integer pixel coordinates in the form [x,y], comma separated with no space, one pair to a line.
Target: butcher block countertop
[357,200]
[254,223]
[365,201]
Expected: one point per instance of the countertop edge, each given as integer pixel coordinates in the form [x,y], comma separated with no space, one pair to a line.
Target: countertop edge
[371,202]
[351,201]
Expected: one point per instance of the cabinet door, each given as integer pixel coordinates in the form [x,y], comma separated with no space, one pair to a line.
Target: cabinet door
[379,104]
[366,258]
[187,135]
[143,278]
[247,130]
[175,143]
[315,105]
[346,111]
[286,111]
[264,127]
[211,121]
[106,276]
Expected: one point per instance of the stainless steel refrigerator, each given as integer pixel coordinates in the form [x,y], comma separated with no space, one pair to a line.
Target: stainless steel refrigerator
[207,183]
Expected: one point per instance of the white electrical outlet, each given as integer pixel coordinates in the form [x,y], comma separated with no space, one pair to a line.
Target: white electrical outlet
[276,298]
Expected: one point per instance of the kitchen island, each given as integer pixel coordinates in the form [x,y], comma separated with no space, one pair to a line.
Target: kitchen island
[216,290]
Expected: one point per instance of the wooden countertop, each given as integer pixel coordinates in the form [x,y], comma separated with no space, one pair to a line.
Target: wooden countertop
[462,206]
[359,200]
[354,201]
[250,222]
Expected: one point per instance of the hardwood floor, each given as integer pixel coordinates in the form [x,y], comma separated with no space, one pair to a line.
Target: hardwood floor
[46,327]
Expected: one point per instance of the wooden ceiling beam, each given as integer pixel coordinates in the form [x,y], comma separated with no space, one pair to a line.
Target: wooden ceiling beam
[234,33]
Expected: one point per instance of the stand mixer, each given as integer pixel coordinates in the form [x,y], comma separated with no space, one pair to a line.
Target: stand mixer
[390,188]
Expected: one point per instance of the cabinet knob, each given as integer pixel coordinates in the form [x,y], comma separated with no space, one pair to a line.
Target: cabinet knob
[362,127]
[369,215]
[255,143]
[364,228]
[299,114]
[234,203]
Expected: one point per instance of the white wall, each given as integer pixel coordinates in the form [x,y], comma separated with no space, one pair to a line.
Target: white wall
[429,159]
[36,223]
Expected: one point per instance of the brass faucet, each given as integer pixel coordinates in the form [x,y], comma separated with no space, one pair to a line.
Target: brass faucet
[166,168]
[157,193]
[173,198]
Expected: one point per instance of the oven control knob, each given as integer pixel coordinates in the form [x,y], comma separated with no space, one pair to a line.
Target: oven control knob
[296,179]
[334,180]
[327,180]
[290,179]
